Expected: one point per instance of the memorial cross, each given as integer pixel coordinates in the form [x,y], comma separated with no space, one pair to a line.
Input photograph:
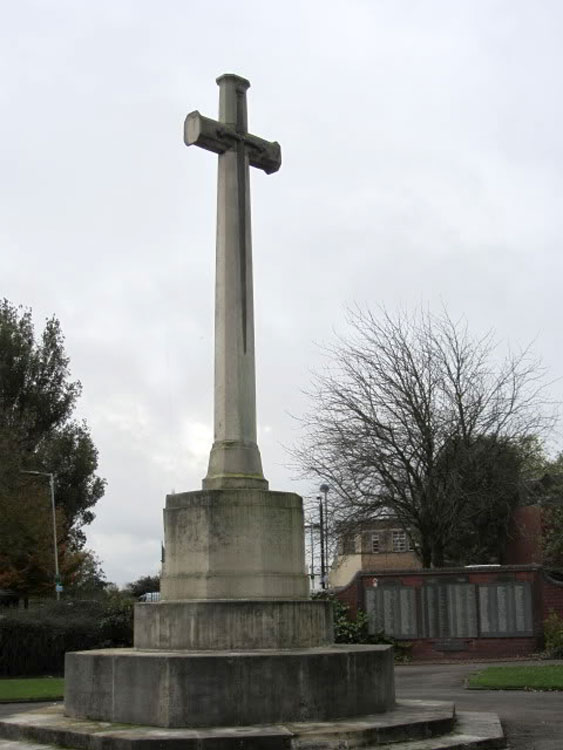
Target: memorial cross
[235,459]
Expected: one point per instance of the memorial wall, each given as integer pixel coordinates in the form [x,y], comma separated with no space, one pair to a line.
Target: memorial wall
[476,612]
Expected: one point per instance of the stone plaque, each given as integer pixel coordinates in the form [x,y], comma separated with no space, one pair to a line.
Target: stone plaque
[462,610]
[449,610]
[434,611]
[505,609]
[392,609]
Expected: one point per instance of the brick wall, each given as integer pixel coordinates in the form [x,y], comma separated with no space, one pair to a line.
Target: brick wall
[547,595]
[353,594]
[429,649]
[524,543]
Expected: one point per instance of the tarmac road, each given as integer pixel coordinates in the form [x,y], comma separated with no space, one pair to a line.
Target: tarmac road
[531,721]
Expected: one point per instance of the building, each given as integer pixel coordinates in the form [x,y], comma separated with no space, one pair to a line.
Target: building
[382,544]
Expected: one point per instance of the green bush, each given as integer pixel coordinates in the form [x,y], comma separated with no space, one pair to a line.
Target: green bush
[553,634]
[348,629]
[34,642]
[116,624]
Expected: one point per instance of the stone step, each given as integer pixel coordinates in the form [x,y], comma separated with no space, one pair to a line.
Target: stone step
[413,725]
[410,719]
[21,745]
[472,730]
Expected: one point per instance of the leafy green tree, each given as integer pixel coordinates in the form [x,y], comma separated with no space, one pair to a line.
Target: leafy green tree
[26,540]
[71,453]
[36,395]
[38,434]
[84,575]
[488,477]
[551,489]
[143,585]
[553,537]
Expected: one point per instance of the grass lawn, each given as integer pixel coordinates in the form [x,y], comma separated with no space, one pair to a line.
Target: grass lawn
[548,677]
[31,689]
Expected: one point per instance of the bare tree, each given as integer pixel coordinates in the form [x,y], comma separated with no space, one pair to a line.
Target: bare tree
[411,416]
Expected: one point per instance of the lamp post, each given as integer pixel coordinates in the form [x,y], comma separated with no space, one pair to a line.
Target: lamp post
[324,488]
[312,527]
[58,586]
[322,534]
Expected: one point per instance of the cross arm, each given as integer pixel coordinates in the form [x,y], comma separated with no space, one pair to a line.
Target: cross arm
[265,155]
[219,137]
[206,133]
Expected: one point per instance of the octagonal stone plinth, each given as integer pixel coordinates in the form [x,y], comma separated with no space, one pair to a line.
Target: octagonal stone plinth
[233,624]
[228,688]
[234,544]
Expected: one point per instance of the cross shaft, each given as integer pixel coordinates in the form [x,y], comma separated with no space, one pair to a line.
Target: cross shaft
[235,459]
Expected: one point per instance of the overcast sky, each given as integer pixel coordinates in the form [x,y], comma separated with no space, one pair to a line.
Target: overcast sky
[422,163]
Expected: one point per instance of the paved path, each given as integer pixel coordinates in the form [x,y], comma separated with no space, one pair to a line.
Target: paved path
[532,721]
[7,709]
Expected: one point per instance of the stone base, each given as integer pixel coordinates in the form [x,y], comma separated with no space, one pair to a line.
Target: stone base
[234,464]
[228,688]
[233,624]
[234,544]
[410,725]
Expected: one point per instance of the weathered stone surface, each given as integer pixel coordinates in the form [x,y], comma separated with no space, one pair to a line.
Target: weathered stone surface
[238,624]
[392,609]
[410,725]
[235,460]
[234,544]
[228,688]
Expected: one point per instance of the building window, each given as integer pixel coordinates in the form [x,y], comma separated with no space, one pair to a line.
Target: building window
[400,541]
[375,548]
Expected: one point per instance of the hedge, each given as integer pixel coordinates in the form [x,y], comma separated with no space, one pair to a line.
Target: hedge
[34,642]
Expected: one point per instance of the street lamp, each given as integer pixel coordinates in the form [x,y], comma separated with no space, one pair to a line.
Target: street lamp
[312,527]
[324,488]
[323,555]
[58,587]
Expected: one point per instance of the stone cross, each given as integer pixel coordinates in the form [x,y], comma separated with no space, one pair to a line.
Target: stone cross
[235,459]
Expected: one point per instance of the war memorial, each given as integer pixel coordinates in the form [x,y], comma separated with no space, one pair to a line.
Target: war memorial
[236,654]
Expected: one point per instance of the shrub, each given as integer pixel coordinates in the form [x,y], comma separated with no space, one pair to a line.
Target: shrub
[34,642]
[116,624]
[348,629]
[553,634]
